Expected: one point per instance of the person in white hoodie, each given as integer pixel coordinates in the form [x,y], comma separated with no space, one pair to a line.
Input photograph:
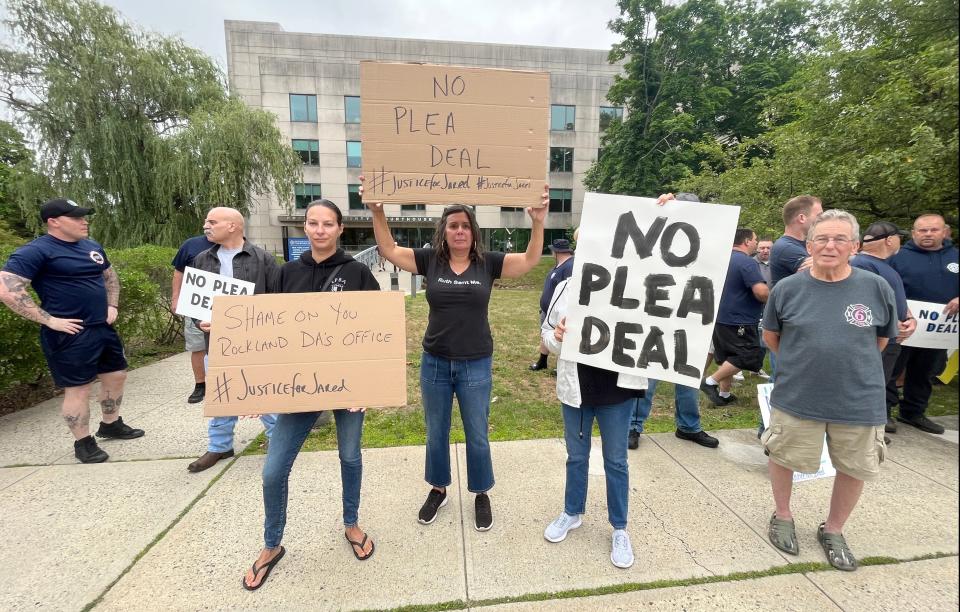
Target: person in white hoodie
[587,393]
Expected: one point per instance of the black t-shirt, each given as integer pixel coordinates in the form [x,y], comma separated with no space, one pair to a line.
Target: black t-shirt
[457,327]
[68,276]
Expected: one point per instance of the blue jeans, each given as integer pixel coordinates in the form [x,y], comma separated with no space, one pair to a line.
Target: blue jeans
[614,422]
[220,431]
[471,380]
[686,408]
[288,437]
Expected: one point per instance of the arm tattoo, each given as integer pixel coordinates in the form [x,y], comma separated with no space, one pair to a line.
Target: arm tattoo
[19,301]
[112,282]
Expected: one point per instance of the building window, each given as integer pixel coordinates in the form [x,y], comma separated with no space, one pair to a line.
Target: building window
[309,151]
[353,154]
[562,117]
[353,197]
[304,193]
[608,114]
[561,159]
[560,200]
[351,109]
[413,207]
[303,108]
[510,209]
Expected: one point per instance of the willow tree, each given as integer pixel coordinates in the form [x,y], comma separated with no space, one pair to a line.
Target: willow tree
[138,125]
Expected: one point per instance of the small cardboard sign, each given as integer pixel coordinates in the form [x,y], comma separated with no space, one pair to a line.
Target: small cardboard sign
[826,466]
[199,288]
[646,285]
[935,330]
[444,134]
[302,352]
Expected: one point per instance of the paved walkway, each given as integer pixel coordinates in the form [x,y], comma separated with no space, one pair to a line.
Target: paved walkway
[140,532]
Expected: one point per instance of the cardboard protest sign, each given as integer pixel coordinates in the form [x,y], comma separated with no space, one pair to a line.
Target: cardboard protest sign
[826,466]
[646,285]
[934,329]
[199,288]
[301,352]
[442,134]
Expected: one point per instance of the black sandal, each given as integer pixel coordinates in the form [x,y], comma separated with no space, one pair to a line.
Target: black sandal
[360,545]
[266,568]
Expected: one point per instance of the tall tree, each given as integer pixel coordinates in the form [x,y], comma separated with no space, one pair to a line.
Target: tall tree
[137,125]
[696,76]
[17,176]
[870,124]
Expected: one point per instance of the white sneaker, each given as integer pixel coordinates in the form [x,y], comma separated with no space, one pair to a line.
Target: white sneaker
[738,376]
[763,374]
[557,530]
[621,553]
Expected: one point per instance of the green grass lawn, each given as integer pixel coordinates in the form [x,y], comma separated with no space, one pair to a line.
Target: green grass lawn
[524,404]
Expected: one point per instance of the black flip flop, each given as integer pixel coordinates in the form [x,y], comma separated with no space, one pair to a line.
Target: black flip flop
[265,568]
[360,544]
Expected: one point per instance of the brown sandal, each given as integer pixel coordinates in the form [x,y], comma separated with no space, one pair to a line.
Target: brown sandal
[355,545]
[265,568]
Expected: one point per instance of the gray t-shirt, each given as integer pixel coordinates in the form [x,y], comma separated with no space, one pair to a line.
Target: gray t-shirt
[226,260]
[829,368]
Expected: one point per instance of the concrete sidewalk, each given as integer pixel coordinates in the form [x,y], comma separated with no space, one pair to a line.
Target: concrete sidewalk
[140,532]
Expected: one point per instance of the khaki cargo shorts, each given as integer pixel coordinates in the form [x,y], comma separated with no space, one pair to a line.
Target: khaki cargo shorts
[192,336]
[796,444]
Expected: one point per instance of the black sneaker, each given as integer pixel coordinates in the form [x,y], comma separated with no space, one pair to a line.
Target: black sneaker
[87,451]
[634,441]
[701,437]
[435,501]
[922,423]
[199,390]
[712,392]
[730,399]
[891,426]
[482,514]
[118,429]
[537,366]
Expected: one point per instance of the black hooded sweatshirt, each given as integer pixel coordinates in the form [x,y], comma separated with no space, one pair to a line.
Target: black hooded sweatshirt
[305,275]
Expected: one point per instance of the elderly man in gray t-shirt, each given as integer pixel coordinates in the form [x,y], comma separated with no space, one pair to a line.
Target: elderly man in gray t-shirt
[828,327]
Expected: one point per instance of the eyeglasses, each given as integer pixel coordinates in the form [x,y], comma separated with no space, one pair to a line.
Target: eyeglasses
[839,241]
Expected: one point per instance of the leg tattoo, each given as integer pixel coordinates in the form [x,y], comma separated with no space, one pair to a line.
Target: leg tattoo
[110,405]
[74,421]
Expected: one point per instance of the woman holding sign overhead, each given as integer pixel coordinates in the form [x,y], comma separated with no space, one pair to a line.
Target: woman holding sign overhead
[325,267]
[457,346]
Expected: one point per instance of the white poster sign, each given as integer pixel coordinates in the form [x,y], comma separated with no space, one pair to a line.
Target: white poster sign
[646,285]
[934,329]
[199,288]
[826,466]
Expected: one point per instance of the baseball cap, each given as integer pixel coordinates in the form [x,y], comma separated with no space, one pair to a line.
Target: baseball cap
[61,207]
[561,245]
[878,230]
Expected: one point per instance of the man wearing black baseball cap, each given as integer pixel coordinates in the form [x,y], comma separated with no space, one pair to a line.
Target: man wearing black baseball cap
[880,242]
[79,299]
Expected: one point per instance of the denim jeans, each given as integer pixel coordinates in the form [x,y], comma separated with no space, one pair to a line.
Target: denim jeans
[471,380]
[614,422]
[686,408]
[220,431]
[288,437]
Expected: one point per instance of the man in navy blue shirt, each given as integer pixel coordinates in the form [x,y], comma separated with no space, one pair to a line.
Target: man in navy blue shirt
[789,253]
[928,267]
[564,268]
[79,301]
[736,340]
[192,336]
[880,242]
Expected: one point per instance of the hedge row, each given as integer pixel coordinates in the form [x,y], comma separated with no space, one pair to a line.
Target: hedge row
[145,314]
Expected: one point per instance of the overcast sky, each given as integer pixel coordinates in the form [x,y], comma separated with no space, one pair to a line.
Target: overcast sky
[555,23]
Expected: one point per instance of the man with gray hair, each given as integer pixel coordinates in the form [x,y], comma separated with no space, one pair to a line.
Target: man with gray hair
[232,255]
[828,325]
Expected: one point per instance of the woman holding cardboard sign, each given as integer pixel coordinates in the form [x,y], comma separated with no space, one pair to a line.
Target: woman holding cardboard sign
[325,267]
[457,346]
